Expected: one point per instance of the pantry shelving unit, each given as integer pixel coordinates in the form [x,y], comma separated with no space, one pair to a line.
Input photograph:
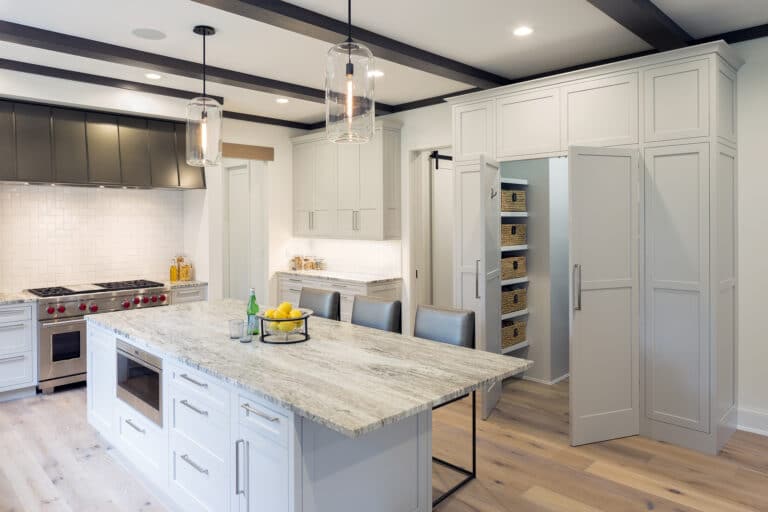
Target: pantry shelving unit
[513,184]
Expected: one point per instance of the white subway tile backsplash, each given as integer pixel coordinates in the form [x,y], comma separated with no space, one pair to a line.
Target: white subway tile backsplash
[67,235]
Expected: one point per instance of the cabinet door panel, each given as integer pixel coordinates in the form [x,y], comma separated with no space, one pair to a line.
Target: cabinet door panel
[134,151]
[677,283]
[371,176]
[677,101]
[369,224]
[162,154]
[473,129]
[303,176]
[265,473]
[324,193]
[103,148]
[7,142]
[528,123]
[726,104]
[33,142]
[349,176]
[601,112]
[189,176]
[347,223]
[70,160]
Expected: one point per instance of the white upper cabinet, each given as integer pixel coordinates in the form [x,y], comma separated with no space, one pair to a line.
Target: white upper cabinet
[726,104]
[601,112]
[528,124]
[349,191]
[473,128]
[677,101]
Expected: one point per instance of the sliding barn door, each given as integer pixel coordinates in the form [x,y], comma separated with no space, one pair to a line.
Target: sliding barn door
[477,260]
[605,216]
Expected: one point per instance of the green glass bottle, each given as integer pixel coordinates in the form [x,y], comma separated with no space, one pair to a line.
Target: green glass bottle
[253,308]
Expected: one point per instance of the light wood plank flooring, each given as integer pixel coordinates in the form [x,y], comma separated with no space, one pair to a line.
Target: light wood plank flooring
[51,460]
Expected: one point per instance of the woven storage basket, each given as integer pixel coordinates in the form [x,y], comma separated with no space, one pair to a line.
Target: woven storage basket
[513,267]
[513,200]
[513,332]
[513,234]
[514,300]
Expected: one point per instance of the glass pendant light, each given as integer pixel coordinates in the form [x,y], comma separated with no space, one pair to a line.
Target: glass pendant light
[204,121]
[349,83]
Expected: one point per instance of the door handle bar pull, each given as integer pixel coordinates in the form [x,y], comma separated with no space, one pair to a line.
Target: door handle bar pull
[477,279]
[577,287]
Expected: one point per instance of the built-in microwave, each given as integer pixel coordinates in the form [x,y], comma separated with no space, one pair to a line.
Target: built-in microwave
[140,381]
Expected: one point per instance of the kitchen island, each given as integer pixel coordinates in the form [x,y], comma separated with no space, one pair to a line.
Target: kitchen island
[339,423]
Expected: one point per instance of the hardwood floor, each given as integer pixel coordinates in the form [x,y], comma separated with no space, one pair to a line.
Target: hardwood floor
[51,460]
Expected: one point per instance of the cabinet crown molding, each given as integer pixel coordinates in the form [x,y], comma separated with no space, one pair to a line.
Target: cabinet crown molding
[380,124]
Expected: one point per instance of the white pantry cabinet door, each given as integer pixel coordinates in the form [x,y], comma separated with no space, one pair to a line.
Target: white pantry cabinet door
[473,129]
[528,123]
[602,112]
[262,473]
[101,379]
[605,303]
[677,101]
[677,347]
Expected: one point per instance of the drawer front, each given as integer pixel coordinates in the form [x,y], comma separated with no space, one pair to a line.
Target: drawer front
[268,422]
[16,371]
[183,295]
[144,442]
[348,288]
[200,420]
[15,337]
[15,314]
[199,384]
[198,479]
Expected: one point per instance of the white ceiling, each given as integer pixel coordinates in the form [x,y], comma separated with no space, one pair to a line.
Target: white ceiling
[478,33]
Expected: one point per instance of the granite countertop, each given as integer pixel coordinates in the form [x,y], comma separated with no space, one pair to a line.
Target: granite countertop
[184,284]
[342,276]
[6,299]
[349,378]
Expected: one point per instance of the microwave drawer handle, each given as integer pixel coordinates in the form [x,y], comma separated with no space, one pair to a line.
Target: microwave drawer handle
[193,381]
[260,414]
[135,427]
[192,407]
[64,322]
[194,464]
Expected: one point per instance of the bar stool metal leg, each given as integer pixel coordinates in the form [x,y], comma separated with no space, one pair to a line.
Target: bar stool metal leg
[469,475]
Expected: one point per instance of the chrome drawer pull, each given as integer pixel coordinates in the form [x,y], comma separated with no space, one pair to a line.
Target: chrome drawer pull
[135,427]
[11,359]
[192,463]
[198,411]
[260,414]
[294,290]
[193,381]
[11,326]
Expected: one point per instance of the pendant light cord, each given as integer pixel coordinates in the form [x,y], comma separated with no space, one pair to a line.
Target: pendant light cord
[349,21]
[204,36]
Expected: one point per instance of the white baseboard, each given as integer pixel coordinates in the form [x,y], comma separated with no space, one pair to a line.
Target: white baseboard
[547,382]
[753,420]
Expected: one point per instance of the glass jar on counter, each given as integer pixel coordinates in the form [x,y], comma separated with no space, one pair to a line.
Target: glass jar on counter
[185,271]
[174,271]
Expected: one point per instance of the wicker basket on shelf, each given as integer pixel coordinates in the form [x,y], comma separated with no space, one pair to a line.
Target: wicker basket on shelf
[513,201]
[513,234]
[512,332]
[513,267]
[514,300]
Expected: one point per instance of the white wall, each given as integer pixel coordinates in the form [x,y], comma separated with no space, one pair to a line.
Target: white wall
[69,235]
[381,258]
[753,240]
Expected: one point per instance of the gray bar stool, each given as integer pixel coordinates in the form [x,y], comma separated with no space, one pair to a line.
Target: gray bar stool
[323,302]
[455,327]
[376,313]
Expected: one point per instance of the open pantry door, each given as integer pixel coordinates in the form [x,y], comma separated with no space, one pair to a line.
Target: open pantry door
[605,215]
[477,260]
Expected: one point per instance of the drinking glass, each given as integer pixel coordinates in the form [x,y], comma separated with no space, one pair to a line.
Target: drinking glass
[236,329]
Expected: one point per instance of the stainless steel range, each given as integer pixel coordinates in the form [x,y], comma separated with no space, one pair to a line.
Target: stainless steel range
[62,334]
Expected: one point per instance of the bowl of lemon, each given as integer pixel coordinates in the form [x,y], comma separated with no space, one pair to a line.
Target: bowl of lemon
[284,324]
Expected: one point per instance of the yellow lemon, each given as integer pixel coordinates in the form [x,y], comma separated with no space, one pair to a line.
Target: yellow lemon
[280,315]
[270,313]
[274,325]
[285,307]
[296,313]
[286,326]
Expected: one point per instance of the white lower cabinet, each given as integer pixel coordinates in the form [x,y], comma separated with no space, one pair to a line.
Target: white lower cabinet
[262,472]
[197,479]
[18,361]
[101,379]
[142,442]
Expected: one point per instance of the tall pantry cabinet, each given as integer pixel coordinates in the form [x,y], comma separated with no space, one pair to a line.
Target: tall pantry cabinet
[677,111]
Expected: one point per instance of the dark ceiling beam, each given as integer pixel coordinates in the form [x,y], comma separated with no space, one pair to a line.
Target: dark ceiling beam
[66,74]
[63,43]
[268,120]
[324,28]
[646,21]
[738,36]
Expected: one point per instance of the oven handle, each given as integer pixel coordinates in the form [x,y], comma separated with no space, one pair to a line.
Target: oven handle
[46,325]
[139,361]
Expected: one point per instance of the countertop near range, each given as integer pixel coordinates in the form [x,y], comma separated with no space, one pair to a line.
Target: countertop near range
[353,277]
[349,378]
[184,284]
[7,299]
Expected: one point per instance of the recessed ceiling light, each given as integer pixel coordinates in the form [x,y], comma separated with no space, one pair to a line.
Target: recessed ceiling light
[523,31]
[282,101]
[376,73]
[153,76]
[148,33]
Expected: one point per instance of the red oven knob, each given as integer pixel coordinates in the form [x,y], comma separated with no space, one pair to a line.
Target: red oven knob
[154,298]
[82,307]
[94,308]
[51,310]
[61,309]
[145,299]
[136,300]
[162,298]
[126,305]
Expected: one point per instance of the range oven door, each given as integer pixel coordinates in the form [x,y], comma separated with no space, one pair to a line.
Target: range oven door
[140,381]
[62,348]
